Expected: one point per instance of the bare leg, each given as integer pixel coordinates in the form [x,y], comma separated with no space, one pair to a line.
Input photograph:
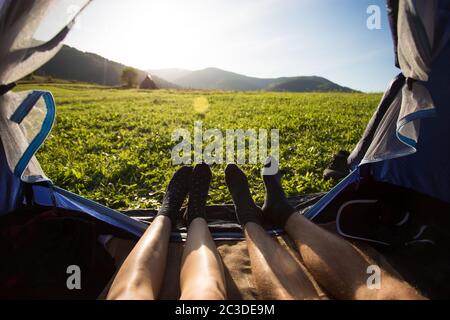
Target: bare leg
[277,274]
[335,263]
[141,274]
[339,266]
[202,276]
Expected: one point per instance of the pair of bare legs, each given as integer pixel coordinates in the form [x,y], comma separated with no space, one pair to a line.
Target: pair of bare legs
[339,267]
[335,263]
[141,274]
[202,277]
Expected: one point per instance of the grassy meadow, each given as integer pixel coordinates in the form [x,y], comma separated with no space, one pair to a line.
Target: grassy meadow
[114,146]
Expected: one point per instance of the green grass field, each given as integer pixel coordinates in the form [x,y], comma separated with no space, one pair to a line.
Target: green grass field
[114,146]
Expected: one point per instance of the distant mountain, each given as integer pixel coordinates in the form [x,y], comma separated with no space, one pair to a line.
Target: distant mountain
[72,64]
[306,84]
[214,78]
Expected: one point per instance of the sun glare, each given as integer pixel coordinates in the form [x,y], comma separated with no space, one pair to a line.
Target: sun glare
[201,105]
[167,32]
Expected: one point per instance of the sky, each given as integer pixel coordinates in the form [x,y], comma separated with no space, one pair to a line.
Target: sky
[262,38]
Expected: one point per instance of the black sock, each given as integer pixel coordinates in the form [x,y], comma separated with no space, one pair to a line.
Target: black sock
[198,193]
[246,209]
[276,207]
[176,192]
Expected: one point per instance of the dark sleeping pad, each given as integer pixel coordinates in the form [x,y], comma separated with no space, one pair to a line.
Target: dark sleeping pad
[39,246]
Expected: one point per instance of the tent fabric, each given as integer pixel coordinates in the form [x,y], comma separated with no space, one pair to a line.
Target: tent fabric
[415,27]
[26,119]
[427,169]
[398,132]
[392,10]
[364,143]
[423,28]
[52,196]
[11,192]
[21,52]
[407,141]
[30,35]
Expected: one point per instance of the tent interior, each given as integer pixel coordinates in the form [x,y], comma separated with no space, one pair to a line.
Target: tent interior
[402,161]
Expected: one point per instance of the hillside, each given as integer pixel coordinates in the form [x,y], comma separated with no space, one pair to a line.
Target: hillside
[306,84]
[72,64]
[214,78]
[170,74]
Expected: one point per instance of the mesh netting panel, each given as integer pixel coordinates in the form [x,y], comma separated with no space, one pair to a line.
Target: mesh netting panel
[398,131]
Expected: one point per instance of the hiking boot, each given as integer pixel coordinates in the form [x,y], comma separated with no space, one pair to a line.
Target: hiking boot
[338,168]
